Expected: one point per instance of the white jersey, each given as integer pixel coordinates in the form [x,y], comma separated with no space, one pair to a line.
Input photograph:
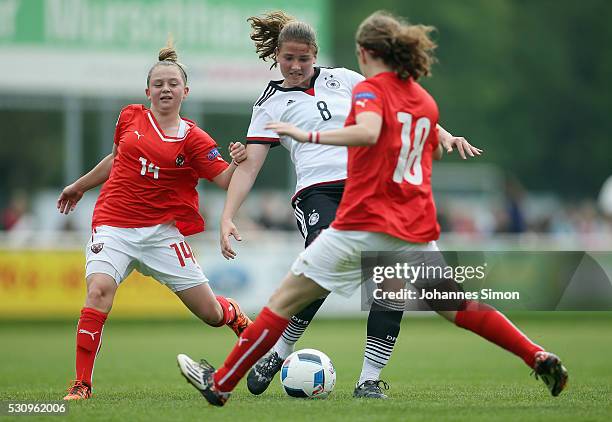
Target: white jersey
[322,106]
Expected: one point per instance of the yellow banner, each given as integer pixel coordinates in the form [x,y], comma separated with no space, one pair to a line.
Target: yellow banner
[51,283]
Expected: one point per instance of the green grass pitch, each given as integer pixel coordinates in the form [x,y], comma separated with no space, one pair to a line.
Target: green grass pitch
[438,372]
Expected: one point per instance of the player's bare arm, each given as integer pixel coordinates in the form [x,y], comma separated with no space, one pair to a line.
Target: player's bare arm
[364,133]
[239,187]
[73,193]
[449,142]
[238,154]
[438,152]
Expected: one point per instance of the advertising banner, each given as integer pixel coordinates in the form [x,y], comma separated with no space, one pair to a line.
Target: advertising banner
[106,47]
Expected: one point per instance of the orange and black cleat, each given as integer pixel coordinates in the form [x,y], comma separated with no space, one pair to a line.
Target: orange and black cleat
[241,321]
[548,367]
[78,390]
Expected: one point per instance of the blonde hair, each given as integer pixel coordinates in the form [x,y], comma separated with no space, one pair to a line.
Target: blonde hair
[407,48]
[168,56]
[272,29]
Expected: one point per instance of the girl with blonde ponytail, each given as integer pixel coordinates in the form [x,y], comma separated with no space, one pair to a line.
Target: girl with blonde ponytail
[146,207]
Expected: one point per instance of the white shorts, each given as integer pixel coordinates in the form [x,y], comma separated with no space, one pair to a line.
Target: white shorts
[158,251]
[333,260]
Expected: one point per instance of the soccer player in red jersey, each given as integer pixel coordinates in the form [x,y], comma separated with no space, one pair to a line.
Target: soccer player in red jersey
[147,205]
[387,206]
[315,98]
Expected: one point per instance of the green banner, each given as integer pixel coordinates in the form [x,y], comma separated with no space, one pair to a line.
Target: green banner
[206,26]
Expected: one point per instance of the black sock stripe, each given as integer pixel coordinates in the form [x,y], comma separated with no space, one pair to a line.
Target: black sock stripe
[385,350]
[298,325]
[373,346]
[380,341]
[291,336]
[378,354]
[375,361]
[295,330]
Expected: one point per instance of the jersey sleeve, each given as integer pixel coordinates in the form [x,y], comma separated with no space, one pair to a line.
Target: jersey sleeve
[125,115]
[353,78]
[257,133]
[205,157]
[367,98]
[435,137]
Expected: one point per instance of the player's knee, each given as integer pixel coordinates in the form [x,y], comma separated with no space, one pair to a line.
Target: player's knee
[212,316]
[280,305]
[100,294]
[274,302]
[289,300]
[98,297]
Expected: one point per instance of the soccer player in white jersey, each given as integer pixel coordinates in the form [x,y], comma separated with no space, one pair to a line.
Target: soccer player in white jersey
[391,209]
[316,99]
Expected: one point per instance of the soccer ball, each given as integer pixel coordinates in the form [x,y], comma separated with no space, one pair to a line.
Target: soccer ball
[308,373]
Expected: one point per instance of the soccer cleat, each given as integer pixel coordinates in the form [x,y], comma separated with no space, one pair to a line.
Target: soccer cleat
[78,390]
[200,375]
[548,367]
[261,375]
[241,321]
[371,390]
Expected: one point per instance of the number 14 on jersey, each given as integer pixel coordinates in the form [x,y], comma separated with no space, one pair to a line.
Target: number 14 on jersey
[152,168]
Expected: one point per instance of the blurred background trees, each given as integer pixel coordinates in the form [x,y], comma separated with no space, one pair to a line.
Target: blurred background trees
[526,80]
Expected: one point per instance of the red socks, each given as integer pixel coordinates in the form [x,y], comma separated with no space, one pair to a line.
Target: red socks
[229,312]
[491,324]
[254,342]
[88,339]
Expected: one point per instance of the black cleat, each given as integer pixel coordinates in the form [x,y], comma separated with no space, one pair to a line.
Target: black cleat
[548,367]
[371,390]
[261,375]
[200,375]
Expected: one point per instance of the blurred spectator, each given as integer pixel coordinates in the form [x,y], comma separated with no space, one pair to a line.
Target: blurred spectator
[462,223]
[474,216]
[587,219]
[275,213]
[513,218]
[15,211]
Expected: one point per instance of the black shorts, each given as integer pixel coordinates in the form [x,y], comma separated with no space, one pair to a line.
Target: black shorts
[315,208]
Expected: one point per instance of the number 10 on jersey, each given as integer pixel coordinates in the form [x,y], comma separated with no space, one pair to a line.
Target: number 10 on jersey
[408,166]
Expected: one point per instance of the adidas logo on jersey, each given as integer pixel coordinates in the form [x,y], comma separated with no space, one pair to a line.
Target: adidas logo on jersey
[290,102]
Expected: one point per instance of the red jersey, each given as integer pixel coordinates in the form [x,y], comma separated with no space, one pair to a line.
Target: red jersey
[154,176]
[388,189]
